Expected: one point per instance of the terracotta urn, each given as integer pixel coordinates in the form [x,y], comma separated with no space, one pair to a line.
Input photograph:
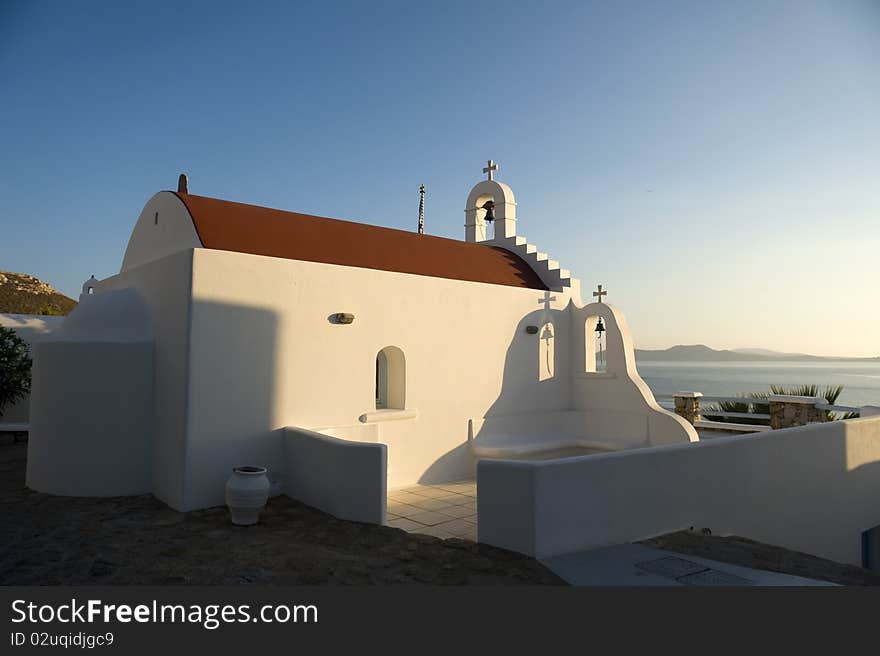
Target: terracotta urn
[247,491]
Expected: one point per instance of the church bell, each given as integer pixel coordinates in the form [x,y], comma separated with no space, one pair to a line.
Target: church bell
[489,206]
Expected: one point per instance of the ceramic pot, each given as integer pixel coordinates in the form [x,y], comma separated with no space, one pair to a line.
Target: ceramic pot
[246,493]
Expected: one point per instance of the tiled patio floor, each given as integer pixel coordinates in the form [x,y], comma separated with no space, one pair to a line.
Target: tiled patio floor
[448,510]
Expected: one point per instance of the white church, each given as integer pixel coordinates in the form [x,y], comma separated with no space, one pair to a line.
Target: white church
[229,325]
[350,360]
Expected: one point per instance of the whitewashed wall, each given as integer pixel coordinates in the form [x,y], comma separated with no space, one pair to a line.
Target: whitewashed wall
[266,355]
[814,489]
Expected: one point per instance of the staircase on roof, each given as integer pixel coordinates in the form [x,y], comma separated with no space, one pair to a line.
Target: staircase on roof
[548,270]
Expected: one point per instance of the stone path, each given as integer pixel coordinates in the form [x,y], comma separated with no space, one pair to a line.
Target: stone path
[738,550]
[447,510]
[638,565]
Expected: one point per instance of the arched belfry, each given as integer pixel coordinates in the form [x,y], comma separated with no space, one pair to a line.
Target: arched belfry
[502,204]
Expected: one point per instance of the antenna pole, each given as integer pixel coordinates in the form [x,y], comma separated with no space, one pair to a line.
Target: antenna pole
[422,209]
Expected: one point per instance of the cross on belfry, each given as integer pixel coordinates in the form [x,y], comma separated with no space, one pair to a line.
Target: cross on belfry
[490,169]
[600,293]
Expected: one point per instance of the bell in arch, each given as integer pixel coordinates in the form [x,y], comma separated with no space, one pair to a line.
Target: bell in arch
[600,330]
[489,206]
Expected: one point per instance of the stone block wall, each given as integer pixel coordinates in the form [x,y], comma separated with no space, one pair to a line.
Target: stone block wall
[687,405]
[788,411]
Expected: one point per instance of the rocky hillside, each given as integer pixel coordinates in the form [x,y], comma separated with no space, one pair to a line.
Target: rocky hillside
[21,293]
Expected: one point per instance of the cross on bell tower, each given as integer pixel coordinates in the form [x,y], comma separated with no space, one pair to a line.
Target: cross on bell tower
[490,169]
[600,293]
[486,194]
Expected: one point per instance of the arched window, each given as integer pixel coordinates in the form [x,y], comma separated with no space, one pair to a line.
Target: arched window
[594,345]
[390,379]
[547,352]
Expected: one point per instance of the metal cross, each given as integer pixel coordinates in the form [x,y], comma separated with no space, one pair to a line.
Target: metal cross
[600,293]
[490,169]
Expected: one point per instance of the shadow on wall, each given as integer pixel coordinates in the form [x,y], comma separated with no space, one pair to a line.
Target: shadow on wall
[554,402]
[235,355]
[185,397]
[536,378]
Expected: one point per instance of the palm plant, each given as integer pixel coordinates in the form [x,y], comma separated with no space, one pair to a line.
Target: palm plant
[745,406]
[830,394]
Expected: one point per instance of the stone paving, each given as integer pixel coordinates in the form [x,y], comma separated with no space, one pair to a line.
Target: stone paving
[638,565]
[447,510]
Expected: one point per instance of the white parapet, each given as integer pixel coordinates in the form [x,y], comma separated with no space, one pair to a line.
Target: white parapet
[574,504]
[344,478]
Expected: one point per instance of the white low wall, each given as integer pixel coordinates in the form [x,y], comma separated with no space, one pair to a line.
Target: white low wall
[346,479]
[814,488]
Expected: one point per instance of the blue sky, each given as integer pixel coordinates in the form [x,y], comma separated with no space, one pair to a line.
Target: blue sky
[715,165]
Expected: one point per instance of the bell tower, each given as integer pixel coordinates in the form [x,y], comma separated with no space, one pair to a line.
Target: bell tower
[491,201]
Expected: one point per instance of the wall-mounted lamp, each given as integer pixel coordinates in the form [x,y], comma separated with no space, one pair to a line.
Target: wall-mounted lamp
[342,317]
[532,330]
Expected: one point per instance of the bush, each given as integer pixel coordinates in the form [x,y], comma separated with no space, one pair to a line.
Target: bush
[745,406]
[50,310]
[15,368]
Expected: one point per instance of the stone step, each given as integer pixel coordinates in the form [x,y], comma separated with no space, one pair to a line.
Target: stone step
[549,270]
[529,249]
[511,242]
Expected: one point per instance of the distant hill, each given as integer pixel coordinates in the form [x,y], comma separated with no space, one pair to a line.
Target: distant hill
[702,353]
[21,293]
[771,354]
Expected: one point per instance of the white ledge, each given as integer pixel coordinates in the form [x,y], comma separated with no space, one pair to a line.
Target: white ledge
[388,414]
[785,398]
[729,426]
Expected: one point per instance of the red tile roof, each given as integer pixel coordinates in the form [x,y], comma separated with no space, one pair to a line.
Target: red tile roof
[228,226]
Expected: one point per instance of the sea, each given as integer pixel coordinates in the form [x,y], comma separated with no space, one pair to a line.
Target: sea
[860,380]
